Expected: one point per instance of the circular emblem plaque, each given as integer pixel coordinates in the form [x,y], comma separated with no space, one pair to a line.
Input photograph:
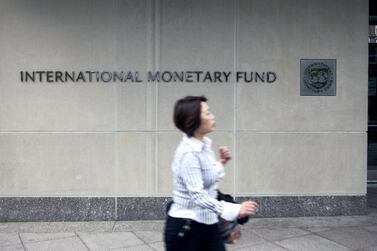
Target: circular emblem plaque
[318,77]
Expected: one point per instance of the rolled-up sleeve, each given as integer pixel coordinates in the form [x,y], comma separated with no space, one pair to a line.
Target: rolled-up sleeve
[230,211]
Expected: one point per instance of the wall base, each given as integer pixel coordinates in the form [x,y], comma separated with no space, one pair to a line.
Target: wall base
[24,209]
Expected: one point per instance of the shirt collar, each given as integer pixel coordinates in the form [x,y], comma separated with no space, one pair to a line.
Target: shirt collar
[196,144]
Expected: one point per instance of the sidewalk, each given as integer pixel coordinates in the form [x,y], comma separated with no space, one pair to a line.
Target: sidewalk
[305,233]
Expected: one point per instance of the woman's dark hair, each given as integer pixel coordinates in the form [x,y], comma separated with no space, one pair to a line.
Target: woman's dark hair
[187,112]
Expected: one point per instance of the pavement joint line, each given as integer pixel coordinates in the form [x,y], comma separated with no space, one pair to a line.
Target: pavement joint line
[287,238]
[322,238]
[10,245]
[315,232]
[153,247]
[22,243]
[139,237]
[152,242]
[373,232]
[112,229]
[129,246]
[58,238]
[251,245]
[331,240]
[82,241]
[276,244]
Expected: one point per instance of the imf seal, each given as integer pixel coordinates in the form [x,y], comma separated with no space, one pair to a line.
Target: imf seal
[318,77]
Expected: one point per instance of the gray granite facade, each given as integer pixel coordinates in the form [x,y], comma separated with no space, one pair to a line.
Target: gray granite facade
[300,206]
[141,208]
[14,209]
[26,209]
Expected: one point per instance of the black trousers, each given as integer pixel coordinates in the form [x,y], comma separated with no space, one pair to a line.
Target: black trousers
[188,235]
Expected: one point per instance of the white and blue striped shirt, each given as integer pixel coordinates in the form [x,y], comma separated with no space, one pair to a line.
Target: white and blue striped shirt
[196,177]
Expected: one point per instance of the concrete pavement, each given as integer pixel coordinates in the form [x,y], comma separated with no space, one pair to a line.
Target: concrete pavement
[304,233]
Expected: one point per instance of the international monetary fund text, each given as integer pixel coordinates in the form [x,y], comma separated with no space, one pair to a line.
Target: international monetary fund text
[150,76]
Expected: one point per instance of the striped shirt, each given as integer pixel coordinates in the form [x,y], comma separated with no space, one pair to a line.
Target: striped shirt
[196,178]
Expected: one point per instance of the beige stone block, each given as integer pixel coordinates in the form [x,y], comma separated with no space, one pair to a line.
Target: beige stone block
[136,108]
[301,163]
[167,144]
[57,164]
[136,168]
[286,39]
[43,107]
[196,39]
[74,36]
[86,34]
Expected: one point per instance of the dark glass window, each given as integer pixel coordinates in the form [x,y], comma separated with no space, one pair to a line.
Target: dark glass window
[372,95]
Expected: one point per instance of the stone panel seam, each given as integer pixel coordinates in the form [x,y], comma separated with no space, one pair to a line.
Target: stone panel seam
[235,100]
[116,164]
[150,60]
[157,48]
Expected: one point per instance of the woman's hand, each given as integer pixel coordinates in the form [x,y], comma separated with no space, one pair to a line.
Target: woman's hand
[248,208]
[225,154]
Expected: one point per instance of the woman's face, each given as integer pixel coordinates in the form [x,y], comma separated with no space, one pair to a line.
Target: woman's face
[207,120]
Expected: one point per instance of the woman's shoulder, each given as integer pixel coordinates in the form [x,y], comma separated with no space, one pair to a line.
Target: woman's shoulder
[185,153]
[186,147]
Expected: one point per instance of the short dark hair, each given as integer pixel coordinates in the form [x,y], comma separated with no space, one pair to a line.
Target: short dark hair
[187,112]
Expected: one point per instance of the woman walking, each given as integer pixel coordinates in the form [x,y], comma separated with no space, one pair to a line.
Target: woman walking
[192,219]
